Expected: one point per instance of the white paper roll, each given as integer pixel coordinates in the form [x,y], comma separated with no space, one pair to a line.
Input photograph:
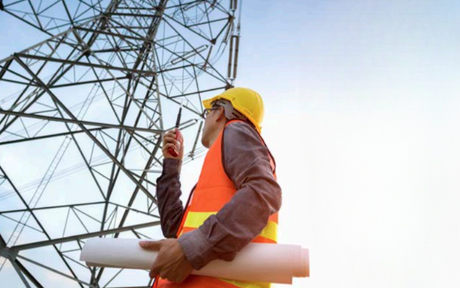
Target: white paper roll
[258,262]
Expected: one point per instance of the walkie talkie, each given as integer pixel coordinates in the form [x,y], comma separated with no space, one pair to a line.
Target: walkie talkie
[170,150]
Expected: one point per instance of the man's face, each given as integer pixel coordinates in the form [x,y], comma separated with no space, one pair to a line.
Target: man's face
[211,125]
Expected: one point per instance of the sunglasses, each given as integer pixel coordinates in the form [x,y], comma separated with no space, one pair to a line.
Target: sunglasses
[208,110]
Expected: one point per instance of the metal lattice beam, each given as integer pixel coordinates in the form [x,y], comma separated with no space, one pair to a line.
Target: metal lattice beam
[92,100]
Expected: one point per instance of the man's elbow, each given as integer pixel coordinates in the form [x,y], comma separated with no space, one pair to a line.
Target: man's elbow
[169,234]
[277,200]
[169,231]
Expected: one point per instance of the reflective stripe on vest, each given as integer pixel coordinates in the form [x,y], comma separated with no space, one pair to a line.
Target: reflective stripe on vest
[196,219]
[213,190]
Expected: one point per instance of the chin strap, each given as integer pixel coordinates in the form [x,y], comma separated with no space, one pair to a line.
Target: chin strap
[230,112]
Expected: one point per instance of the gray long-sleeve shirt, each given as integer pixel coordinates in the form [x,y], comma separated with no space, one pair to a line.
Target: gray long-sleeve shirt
[247,163]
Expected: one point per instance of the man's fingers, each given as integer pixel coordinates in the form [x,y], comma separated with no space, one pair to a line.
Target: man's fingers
[156,270]
[150,245]
[172,136]
[170,145]
[170,140]
[171,133]
[169,136]
[156,267]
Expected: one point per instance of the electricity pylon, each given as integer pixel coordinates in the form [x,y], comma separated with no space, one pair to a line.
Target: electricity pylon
[81,117]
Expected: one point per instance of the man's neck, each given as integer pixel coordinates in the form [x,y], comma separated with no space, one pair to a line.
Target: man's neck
[216,133]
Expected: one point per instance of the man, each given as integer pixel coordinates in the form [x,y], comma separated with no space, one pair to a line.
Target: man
[235,201]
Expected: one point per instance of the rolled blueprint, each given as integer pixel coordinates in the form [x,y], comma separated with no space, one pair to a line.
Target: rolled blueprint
[257,262]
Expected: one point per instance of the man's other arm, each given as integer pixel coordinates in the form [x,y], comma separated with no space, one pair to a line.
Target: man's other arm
[168,195]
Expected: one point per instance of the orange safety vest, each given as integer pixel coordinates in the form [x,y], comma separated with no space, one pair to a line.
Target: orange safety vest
[213,190]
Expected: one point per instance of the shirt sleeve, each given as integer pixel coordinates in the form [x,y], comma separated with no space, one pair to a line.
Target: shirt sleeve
[168,194]
[247,163]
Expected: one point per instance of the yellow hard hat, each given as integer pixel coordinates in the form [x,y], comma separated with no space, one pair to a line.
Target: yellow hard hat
[246,101]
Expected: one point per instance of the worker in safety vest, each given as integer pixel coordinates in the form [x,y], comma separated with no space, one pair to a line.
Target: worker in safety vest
[235,201]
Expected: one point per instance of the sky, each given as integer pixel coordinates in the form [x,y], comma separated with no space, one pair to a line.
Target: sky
[362,115]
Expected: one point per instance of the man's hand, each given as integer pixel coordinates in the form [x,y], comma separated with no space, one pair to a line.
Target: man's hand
[170,263]
[170,142]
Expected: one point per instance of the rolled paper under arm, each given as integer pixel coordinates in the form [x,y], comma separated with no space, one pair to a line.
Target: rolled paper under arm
[258,262]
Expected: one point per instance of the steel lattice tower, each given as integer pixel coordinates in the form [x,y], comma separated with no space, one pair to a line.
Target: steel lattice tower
[81,115]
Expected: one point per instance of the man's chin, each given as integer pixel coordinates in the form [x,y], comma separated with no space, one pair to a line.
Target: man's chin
[205,143]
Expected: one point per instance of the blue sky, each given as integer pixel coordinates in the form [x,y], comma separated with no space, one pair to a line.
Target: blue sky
[362,114]
[366,95]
